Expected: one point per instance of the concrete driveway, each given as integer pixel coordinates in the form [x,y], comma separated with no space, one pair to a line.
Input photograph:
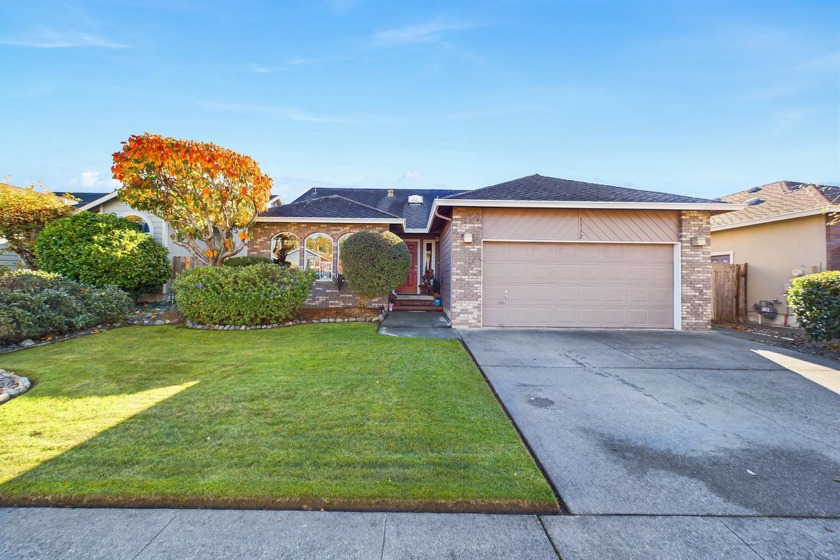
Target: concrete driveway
[669,423]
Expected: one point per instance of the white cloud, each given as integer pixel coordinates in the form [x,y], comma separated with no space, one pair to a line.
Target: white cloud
[432,32]
[53,40]
[89,179]
[411,175]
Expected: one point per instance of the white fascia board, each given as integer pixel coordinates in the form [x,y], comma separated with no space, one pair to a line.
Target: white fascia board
[292,219]
[98,201]
[779,218]
[708,206]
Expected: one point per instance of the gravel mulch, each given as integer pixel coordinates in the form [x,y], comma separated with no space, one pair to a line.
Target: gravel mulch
[785,337]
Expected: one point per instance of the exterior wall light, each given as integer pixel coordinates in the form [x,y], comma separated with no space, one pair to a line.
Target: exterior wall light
[467,237]
[699,241]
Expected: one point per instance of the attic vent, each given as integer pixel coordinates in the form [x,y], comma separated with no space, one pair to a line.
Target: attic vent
[753,201]
[415,199]
[390,193]
[754,190]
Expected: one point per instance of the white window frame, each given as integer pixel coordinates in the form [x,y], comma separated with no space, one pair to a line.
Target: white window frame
[730,254]
[332,256]
[135,214]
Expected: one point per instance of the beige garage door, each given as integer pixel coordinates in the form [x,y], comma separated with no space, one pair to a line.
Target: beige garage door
[578,285]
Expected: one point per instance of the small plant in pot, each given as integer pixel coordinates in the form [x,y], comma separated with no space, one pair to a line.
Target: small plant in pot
[438,300]
[392,299]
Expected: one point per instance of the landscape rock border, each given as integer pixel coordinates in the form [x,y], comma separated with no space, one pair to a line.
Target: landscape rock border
[12,385]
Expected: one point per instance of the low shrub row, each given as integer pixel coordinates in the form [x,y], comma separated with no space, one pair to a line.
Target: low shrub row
[258,294]
[35,304]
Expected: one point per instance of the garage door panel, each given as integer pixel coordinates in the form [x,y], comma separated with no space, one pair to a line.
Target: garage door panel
[578,285]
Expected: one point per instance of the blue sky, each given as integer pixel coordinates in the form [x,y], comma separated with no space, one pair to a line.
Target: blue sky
[700,98]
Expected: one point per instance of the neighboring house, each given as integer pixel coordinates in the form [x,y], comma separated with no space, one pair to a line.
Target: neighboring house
[784,230]
[532,252]
[157,227]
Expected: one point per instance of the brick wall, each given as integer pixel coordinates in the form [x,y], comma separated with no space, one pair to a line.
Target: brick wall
[696,271]
[465,307]
[832,243]
[323,293]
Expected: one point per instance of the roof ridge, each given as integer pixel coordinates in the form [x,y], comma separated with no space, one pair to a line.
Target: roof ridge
[366,206]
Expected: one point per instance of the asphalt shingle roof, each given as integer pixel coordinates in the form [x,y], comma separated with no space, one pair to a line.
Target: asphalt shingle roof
[776,199]
[416,215]
[86,197]
[330,206]
[540,188]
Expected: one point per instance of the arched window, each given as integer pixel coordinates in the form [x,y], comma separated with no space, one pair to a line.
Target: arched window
[341,241]
[142,221]
[286,247]
[318,255]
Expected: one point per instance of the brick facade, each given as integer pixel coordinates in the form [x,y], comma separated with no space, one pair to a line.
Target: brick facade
[696,265]
[465,307]
[323,293]
[832,242]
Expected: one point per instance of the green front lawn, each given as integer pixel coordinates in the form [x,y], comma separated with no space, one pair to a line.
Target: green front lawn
[333,416]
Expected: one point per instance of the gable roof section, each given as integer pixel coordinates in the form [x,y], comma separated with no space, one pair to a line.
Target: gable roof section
[416,215]
[782,200]
[86,198]
[328,208]
[538,188]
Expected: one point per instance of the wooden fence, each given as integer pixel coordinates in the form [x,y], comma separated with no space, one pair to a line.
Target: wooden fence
[729,292]
[180,264]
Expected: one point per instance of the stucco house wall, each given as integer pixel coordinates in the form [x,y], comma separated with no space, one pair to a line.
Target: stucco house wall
[772,251]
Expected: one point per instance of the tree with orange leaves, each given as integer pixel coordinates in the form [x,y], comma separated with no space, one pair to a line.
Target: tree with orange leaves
[209,195]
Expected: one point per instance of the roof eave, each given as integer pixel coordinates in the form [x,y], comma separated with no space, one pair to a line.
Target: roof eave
[98,201]
[310,220]
[707,206]
[778,218]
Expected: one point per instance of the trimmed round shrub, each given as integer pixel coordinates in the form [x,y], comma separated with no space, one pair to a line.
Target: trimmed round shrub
[246,261]
[374,263]
[36,303]
[103,250]
[815,300]
[259,294]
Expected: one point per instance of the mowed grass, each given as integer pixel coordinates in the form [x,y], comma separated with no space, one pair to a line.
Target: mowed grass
[313,416]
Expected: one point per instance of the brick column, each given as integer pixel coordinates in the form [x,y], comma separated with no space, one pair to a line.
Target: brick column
[696,265]
[465,306]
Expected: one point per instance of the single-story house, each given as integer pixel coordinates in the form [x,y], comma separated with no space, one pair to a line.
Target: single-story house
[783,230]
[531,252]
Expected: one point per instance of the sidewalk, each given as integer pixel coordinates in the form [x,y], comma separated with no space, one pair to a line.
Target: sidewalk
[56,533]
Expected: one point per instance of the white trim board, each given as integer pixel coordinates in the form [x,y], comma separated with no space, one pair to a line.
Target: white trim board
[98,201]
[294,220]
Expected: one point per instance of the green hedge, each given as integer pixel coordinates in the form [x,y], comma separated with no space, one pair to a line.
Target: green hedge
[36,303]
[815,300]
[374,263]
[252,295]
[103,250]
[246,261]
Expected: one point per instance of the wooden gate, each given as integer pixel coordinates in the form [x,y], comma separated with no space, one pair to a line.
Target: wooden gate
[729,292]
[180,264]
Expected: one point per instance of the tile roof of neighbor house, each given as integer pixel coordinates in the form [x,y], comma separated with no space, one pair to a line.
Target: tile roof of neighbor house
[777,199]
[416,215]
[540,188]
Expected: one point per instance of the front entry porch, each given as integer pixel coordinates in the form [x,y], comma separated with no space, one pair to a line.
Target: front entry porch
[415,302]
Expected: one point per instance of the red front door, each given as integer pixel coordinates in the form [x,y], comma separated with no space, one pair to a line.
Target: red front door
[410,284]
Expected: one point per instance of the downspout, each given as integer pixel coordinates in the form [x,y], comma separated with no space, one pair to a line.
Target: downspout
[442,217]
